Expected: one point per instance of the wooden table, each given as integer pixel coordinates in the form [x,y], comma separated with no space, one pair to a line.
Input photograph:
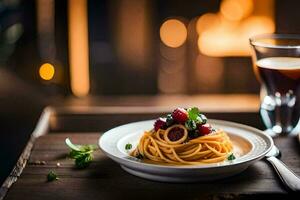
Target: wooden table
[104,179]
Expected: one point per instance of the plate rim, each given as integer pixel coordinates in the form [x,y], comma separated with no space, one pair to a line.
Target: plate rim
[267,138]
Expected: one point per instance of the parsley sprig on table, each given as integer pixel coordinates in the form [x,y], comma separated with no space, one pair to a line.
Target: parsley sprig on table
[52,176]
[82,154]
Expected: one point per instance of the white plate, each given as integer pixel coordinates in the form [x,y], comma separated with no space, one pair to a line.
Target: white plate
[250,145]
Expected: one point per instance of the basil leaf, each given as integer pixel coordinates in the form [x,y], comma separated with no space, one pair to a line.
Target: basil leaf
[193,113]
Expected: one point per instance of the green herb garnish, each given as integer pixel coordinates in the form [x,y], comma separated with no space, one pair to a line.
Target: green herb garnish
[202,119]
[190,125]
[83,160]
[128,146]
[52,176]
[231,157]
[83,154]
[169,120]
[195,115]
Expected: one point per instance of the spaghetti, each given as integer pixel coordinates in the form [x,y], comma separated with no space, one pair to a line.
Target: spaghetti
[174,146]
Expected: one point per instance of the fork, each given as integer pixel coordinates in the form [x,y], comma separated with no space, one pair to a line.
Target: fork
[287,176]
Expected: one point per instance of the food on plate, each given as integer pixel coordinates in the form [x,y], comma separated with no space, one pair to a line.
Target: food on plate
[184,137]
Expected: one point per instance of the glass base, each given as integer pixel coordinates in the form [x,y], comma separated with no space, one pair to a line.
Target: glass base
[280,115]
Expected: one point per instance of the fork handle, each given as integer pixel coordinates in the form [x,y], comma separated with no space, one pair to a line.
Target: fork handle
[288,177]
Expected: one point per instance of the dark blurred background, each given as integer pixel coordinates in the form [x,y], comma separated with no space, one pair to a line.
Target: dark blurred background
[52,50]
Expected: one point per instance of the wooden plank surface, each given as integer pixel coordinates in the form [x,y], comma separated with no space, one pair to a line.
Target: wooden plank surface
[104,179]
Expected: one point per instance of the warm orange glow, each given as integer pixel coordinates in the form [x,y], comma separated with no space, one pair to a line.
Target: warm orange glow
[133,33]
[227,32]
[167,75]
[46,71]
[46,28]
[236,9]
[171,73]
[206,21]
[78,47]
[173,33]
[207,67]
[256,25]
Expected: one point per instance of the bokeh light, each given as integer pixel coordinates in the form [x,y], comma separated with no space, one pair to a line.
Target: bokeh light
[207,21]
[236,9]
[227,32]
[47,71]
[78,47]
[173,33]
